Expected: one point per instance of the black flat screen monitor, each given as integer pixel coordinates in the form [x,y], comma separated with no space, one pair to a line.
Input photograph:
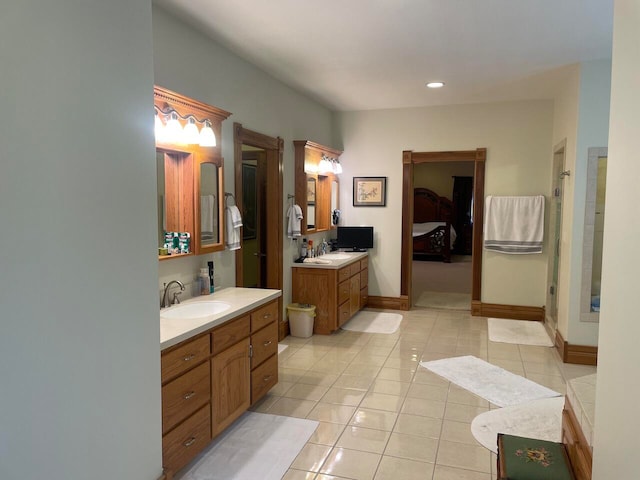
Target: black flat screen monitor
[357,239]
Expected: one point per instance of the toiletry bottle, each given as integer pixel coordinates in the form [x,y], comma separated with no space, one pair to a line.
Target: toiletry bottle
[203,279]
[310,249]
[303,249]
[210,265]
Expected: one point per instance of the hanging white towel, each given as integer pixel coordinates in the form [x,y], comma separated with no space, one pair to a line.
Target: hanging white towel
[295,216]
[514,225]
[233,223]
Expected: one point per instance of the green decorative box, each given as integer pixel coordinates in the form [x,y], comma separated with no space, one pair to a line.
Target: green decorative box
[521,458]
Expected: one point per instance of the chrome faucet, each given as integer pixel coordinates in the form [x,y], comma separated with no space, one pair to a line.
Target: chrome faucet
[165,301]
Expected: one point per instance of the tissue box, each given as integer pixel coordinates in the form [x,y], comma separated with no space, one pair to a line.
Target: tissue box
[521,458]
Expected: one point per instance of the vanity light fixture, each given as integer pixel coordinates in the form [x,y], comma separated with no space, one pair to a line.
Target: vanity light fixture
[325,166]
[435,84]
[337,167]
[173,132]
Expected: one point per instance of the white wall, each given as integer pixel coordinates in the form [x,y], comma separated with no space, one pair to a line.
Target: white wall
[190,63]
[565,128]
[616,434]
[581,117]
[517,136]
[79,332]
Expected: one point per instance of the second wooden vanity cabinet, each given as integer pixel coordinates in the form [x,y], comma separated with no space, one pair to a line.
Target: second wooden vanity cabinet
[337,293]
[209,380]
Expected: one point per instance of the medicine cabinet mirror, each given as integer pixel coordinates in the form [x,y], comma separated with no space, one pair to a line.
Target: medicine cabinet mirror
[190,173]
[316,189]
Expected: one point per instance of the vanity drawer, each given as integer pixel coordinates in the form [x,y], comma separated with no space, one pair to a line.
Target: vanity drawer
[185,395]
[343,291]
[344,273]
[264,343]
[187,440]
[364,278]
[344,313]
[184,357]
[230,334]
[264,315]
[355,269]
[264,378]
[364,263]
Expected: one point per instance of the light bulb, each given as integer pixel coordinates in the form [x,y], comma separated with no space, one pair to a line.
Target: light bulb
[173,130]
[207,137]
[159,129]
[191,133]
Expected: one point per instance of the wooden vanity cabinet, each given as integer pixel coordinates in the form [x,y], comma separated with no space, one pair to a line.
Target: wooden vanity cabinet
[338,294]
[212,379]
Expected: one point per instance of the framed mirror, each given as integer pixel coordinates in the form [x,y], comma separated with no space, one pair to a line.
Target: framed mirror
[311,203]
[335,211]
[210,208]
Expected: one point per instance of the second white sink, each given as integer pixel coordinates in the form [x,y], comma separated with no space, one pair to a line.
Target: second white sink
[194,310]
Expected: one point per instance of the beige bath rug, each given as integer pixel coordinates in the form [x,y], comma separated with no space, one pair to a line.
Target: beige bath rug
[373,322]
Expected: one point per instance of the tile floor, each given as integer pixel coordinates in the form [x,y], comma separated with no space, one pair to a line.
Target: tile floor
[383,417]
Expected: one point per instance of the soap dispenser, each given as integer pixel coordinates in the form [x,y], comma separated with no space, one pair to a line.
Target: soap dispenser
[203,281]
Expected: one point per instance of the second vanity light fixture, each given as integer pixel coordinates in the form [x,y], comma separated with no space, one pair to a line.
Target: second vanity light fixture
[172,131]
[329,165]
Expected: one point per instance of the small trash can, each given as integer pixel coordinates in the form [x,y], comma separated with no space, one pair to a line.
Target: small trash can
[301,317]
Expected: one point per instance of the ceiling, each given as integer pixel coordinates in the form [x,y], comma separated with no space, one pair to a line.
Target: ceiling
[375,54]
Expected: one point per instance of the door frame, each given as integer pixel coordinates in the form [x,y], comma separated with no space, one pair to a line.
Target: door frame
[274,148]
[411,158]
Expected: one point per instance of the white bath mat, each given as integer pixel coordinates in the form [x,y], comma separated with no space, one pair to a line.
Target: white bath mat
[495,384]
[282,347]
[540,419]
[445,300]
[257,445]
[373,322]
[523,332]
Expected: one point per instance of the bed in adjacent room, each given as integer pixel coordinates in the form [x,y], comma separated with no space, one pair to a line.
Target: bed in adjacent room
[433,234]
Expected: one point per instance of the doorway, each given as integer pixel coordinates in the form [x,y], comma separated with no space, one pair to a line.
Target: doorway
[258,194]
[410,160]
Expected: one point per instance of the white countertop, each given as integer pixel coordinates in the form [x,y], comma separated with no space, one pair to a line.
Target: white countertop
[241,300]
[333,260]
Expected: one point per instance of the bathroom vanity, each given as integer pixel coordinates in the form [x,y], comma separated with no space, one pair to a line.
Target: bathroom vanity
[219,356]
[338,288]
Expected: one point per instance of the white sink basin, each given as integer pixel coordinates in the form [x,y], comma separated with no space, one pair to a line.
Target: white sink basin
[194,310]
[336,256]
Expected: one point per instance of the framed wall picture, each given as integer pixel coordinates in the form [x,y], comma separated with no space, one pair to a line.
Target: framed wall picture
[369,191]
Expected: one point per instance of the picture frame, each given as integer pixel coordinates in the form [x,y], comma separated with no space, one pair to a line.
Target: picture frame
[369,191]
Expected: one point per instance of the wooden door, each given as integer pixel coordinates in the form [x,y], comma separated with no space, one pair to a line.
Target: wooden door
[230,382]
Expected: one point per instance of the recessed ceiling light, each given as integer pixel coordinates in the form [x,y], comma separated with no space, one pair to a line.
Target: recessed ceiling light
[435,84]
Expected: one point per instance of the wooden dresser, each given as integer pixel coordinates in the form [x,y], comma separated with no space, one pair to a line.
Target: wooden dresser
[338,292]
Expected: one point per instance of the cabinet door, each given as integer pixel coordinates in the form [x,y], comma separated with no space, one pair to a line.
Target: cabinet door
[354,296]
[230,382]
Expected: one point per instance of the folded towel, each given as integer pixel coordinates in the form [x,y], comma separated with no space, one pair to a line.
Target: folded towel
[233,223]
[514,225]
[295,216]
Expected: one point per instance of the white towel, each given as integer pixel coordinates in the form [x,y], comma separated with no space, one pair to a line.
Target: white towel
[514,225]
[295,216]
[233,222]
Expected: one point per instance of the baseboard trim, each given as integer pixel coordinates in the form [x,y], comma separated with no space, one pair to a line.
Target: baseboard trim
[497,310]
[577,354]
[389,303]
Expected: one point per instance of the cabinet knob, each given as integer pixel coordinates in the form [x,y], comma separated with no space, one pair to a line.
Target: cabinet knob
[189,357]
[267,378]
[266,315]
[189,395]
[189,442]
[266,344]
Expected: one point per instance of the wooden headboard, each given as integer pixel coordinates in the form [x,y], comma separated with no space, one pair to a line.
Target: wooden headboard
[428,206]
